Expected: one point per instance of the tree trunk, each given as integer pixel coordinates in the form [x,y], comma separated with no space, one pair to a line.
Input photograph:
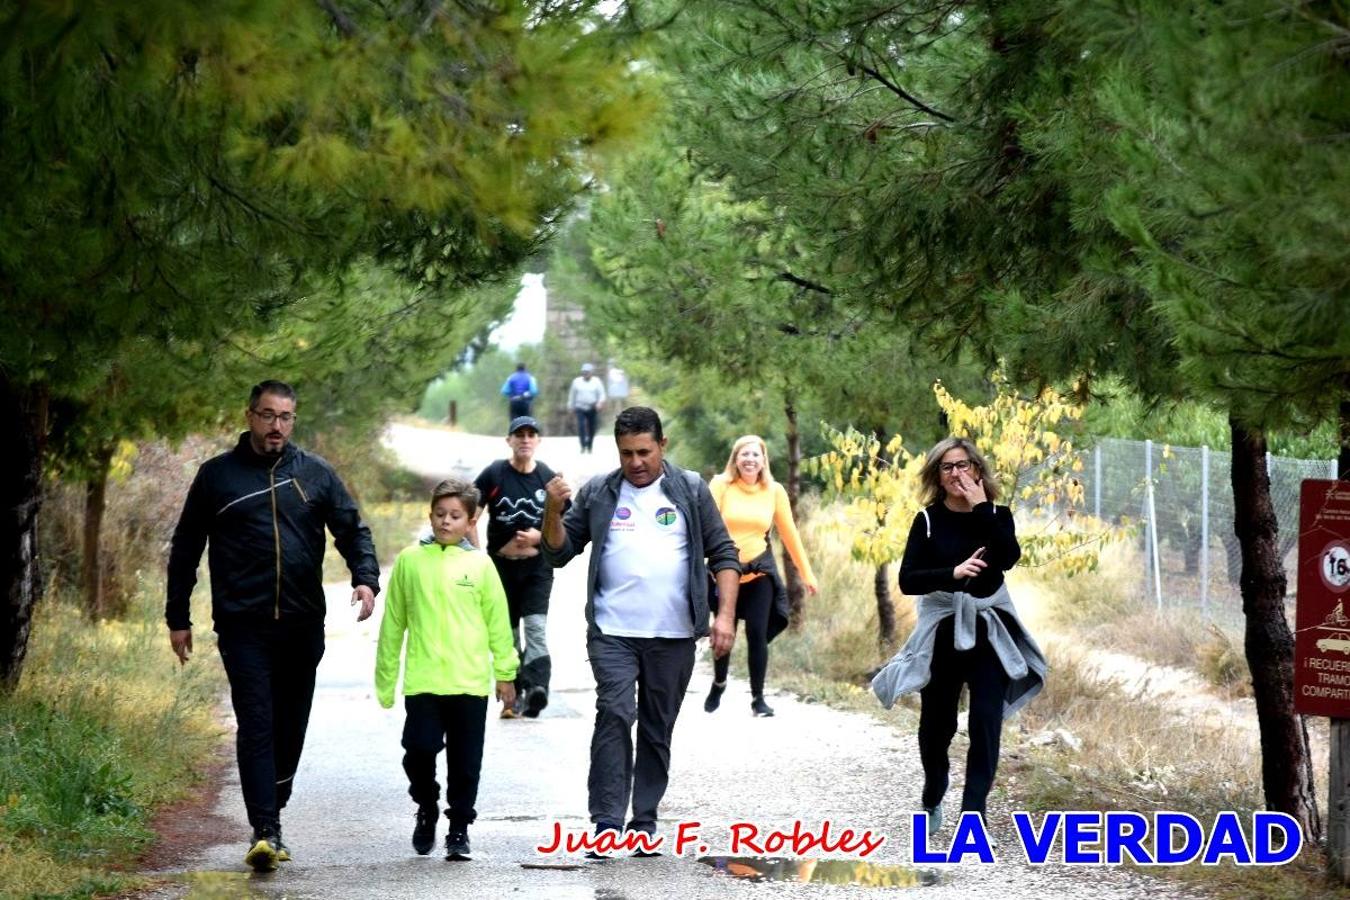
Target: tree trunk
[1286,765]
[1343,460]
[20,496]
[91,562]
[796,591]
[881,584]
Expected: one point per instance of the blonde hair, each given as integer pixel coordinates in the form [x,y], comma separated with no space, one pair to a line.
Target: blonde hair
[732,473]
[930,480]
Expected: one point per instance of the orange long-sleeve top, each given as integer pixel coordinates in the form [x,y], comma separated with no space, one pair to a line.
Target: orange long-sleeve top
[749,510]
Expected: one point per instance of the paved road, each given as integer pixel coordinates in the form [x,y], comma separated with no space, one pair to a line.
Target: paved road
[350,820]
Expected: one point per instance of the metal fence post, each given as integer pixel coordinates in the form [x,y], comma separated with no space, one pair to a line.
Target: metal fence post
[1097,482]
[1152,513]
[1204,528]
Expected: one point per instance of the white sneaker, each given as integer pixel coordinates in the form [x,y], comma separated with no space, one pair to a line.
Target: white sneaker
[934,815]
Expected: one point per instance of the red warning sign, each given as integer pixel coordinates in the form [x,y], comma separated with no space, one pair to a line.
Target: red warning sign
[1322,623]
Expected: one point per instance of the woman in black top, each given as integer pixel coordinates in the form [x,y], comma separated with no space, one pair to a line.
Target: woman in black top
[960,543]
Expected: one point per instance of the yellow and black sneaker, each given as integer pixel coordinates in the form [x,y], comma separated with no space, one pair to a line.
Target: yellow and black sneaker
[262,856]
[283,852]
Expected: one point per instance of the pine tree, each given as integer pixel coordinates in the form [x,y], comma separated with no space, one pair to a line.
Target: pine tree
[186,175]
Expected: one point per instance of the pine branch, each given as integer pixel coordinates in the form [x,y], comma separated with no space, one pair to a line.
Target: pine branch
[341,21]
[804,283]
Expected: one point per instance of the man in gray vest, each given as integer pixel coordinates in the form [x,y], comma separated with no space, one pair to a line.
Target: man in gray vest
[651,525]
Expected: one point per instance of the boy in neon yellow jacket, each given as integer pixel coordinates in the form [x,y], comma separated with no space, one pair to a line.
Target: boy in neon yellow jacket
[450,603]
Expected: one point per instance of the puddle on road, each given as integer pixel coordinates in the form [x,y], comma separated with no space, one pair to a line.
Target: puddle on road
[821,871]
[231,886]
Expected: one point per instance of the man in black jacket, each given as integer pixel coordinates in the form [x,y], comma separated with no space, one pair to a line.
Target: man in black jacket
[264,506]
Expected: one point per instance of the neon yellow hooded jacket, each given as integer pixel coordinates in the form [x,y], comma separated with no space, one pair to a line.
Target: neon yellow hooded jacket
[450,603]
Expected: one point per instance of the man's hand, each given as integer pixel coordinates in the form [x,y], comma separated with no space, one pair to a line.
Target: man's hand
[506,692]
[528,537]
[723,634]
[366,597]
[181,642]
[559,492]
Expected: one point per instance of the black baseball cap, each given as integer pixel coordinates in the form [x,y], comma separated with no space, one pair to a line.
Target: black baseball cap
[520,422]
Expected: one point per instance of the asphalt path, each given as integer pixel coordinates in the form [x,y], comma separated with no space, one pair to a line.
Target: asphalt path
[350,821]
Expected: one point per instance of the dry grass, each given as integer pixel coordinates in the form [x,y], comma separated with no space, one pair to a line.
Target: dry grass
[838,639]
[1104,609]
[1137,753]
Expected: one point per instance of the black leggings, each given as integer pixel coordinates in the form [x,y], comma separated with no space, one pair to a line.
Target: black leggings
[752,607]
[978,667]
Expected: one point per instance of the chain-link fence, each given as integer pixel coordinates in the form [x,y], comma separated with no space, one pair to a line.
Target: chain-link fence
[1180,500]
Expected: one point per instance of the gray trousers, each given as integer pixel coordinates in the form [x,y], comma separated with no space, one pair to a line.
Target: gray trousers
[640,680]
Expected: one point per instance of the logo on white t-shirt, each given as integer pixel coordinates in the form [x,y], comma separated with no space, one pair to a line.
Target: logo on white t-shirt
[665,516]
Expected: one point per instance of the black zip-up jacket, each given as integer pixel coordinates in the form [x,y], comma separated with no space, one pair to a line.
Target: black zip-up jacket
[265,519]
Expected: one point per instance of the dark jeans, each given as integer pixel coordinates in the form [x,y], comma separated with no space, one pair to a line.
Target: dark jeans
[271,668]
[752,606]
[659,668]
[455,722]
[528,584]
[979,668]
[586,427]
[520,406]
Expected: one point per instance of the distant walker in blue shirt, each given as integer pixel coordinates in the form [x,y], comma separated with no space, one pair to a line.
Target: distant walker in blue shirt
[520,389]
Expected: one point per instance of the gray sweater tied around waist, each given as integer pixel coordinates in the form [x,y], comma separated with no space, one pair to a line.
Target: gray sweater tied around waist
[909,670]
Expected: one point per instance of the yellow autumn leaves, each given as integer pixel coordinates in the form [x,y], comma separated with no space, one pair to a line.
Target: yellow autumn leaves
[1025,443]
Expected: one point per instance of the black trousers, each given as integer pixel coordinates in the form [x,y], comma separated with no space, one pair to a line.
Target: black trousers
[519,406]
[528,584]
[659,669]
[979,668]
[455,722]
[752,607]
[271,668]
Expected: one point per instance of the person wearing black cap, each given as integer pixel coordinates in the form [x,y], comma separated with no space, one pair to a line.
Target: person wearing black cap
[512,492]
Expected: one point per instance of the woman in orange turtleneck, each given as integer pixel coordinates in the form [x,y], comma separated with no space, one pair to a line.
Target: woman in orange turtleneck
[751,503]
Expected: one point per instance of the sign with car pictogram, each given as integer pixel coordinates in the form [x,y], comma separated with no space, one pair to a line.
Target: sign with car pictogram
[1322,627]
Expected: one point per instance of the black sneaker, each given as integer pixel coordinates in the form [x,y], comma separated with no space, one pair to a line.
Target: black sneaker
[714,697]
[601,828]
[457,843]
[640,853]
[424,832]
[760,708]
[283,852]
[262,854]
[536,698]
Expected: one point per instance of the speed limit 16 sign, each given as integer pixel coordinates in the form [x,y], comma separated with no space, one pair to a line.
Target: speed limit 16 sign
[1322,623]
[1335,566]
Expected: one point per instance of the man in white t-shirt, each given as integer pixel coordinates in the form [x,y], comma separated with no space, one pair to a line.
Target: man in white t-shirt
[651,525]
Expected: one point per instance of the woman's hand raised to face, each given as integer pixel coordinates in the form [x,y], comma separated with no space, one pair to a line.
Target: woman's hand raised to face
[970,486]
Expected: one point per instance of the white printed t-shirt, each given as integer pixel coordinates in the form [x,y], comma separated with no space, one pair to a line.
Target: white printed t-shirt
[643,588]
